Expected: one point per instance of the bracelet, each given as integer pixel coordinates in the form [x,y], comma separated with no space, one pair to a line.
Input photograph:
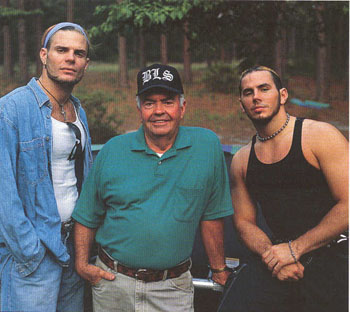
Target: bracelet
[292,252]
[225,268]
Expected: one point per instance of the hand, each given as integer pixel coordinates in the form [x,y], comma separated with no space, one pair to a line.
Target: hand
[221,277]
[94,274]
[277,256]
[290,272]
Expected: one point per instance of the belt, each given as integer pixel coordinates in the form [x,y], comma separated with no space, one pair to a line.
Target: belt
[146,275]
[67,226]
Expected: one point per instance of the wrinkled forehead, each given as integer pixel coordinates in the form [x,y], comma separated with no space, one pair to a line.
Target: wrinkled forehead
[69,37]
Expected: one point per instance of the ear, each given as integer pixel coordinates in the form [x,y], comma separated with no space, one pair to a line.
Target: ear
[140,113]
[183,109]
[241,105]
[43,55]
[283,96]
[87,64]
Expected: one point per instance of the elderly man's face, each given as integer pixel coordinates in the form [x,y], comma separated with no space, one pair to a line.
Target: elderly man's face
[161,114]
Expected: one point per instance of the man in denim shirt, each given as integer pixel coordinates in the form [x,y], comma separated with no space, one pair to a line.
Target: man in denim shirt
[45,154]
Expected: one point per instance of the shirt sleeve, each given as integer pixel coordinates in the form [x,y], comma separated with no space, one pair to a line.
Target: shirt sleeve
[90,210]
[16,230]
[219,204]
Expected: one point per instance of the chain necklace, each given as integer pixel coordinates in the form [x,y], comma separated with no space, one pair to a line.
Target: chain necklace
[261,139]
[63,112]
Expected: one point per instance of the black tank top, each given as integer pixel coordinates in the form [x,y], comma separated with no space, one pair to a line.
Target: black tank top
[293,195]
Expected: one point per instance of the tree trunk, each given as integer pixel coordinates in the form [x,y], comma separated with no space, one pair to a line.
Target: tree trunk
[187,56]
[123,64]
[222,54]
[209,62]
[123,67]
[163,49]
[142,56]
[343,53]
[341,47]
[8,66]
[38,20]
[234,52]
[280,45]
[292,42]
[322,84]
[280,53]
[70,10]
[22,47]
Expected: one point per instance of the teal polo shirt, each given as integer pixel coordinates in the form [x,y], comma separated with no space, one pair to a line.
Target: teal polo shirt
[147,208]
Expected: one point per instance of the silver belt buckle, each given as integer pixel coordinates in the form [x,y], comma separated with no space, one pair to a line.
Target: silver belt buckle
[140,271]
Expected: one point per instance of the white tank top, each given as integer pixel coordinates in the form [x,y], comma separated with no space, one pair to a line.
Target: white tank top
[63,170]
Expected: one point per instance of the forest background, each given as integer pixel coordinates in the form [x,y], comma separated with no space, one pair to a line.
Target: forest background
[209,42]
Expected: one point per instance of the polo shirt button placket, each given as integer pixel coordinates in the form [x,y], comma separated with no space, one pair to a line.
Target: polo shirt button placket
[159,169]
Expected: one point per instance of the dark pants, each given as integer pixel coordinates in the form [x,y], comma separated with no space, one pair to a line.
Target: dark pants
[324,287]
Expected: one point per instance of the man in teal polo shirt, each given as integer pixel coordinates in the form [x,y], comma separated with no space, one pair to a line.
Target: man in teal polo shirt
[143,200]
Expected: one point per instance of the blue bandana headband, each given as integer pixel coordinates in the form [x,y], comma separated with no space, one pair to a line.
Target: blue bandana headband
[59,27]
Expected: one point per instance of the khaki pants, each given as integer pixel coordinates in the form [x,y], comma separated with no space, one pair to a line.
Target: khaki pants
[126,294]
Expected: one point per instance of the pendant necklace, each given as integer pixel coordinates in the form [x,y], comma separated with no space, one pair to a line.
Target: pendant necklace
[261,139]
[63,112]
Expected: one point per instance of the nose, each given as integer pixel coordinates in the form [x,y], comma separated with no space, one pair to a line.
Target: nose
[70,57]
[256,95]
[158,108]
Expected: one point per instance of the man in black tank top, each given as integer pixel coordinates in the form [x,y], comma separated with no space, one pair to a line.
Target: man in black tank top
[296,171]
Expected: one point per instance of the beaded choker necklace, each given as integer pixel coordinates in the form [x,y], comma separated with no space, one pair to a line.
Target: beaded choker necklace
[261,139]
[61,105]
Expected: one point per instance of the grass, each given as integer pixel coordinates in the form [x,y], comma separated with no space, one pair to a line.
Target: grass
[98,67]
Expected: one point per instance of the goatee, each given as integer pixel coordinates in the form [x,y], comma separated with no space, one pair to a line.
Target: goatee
[63,83]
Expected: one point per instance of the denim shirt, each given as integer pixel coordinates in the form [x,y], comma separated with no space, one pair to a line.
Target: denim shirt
[29,220]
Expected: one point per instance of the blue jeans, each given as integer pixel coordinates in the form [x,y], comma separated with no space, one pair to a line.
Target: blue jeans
[49,288]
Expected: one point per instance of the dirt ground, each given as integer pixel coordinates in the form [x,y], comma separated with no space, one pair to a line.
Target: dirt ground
[216,111]
[221,112]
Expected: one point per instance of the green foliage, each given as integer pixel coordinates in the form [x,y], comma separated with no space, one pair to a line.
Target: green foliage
[102,125]
[222,77]
[8,14]
[145,14]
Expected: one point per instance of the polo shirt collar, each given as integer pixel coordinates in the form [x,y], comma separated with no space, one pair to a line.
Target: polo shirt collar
[139,144]
[182,139]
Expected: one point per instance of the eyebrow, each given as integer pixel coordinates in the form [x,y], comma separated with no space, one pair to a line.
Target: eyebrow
[259,86]
[264,85]
[65,47]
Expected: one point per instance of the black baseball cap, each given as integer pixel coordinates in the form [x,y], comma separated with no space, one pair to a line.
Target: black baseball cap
[159,76]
